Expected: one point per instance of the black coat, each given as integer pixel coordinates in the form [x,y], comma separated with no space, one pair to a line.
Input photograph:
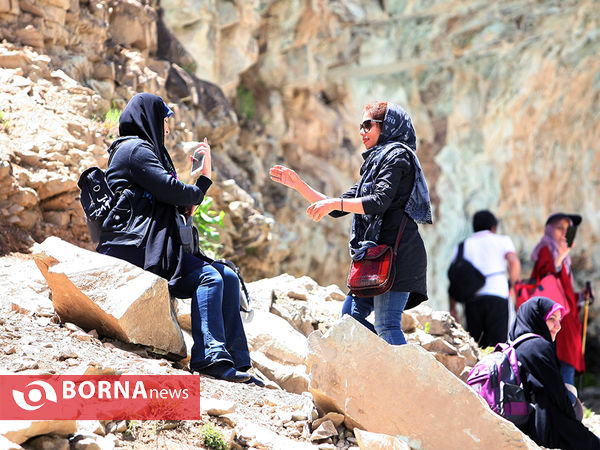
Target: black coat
[392,185]
[553,423]
[142,227]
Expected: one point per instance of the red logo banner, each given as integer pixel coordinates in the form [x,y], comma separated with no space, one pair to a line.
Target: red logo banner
[101,397]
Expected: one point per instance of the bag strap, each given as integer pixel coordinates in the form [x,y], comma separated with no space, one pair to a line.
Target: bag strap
[523,338]
[459,256]
[236,270]
[400,231]
[461,248]
[130,140]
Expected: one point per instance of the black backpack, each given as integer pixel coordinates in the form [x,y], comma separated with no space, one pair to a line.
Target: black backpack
[97,198]
[465,278]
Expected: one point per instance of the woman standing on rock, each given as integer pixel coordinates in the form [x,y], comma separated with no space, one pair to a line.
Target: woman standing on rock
[553,423]
[391,188]
[142,230]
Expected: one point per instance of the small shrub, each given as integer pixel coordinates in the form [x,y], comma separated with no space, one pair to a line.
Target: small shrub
[427,327]
[207,221]
[245,100]
[4,122]
[486,351]
[190,68]
[213,438]
[112,117]
[109,126]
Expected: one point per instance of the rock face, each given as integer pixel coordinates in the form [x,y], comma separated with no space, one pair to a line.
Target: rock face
[343,379]
[136,309]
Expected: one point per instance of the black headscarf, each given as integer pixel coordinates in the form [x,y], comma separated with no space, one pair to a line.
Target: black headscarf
[531,318]
[144,117]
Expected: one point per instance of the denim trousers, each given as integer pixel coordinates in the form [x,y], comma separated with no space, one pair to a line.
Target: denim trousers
[217,327]
[567,371]
[388,309]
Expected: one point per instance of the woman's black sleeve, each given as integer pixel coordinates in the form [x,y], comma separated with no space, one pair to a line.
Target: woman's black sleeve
[147,171]
[543,365]
[350,193]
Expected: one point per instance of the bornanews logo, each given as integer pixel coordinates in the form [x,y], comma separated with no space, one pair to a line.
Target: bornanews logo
[101,397]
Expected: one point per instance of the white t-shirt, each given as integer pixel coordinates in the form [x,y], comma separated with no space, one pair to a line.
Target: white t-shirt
[487,251]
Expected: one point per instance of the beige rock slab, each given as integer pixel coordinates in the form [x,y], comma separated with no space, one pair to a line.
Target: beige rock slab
[216,407]
[5,444]
[401,390]
[323,431]
[118,299]
[260,437]
[288,377]
[378,441]
[19,431]
[276,338]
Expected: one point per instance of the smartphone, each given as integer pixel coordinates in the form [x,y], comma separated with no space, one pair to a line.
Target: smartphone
[197,162]
[571,235]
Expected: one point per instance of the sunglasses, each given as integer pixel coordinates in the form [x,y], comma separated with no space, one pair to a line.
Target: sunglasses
[367,124]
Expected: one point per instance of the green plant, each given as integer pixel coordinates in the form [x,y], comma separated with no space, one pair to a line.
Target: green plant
[427,327]
[207,221]
[4,121]
[190,68]
[213,438]
[129,433]
[587,412]
[109,126]
[245,100]
[486,351]
[112,117]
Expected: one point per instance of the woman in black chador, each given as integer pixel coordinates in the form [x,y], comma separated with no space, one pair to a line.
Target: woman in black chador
[142,229]
[553,423]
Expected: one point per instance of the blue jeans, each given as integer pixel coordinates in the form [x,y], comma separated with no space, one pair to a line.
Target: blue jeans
[567,371]
[388,314]
[217,327]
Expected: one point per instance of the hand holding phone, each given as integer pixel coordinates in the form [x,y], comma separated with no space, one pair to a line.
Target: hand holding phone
[197,162]
[200,160]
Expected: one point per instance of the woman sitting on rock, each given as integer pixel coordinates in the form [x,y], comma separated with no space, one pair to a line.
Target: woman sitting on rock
[391,192]
[142,230]
[553,423]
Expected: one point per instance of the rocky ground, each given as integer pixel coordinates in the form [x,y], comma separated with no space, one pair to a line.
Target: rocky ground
[247,416]
[39,343]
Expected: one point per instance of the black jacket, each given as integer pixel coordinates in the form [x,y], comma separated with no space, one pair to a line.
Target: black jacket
[142,227]
[137,173]
[391,188]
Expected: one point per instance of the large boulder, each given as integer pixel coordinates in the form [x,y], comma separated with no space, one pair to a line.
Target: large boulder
[18,431]
[278,350]
[401,390]
[115,298]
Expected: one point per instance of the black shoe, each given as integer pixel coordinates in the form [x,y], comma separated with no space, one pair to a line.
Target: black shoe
[224,372]
[256,381]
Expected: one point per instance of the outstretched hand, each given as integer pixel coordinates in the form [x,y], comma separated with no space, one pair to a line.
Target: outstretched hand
[284,175]
[320,209]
